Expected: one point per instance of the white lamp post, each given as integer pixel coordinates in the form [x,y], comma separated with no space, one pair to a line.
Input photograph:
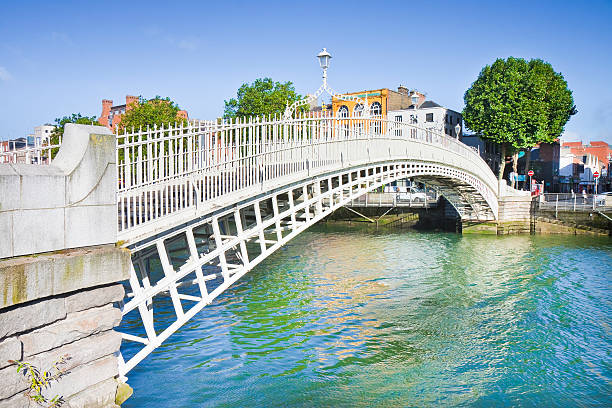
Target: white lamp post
[324,58]
[457,130]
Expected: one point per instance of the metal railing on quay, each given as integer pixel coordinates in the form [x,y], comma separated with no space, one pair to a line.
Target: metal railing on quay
[575,202]
[405,200]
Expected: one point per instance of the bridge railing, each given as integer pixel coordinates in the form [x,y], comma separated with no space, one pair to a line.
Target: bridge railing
[29,155]
[165,170]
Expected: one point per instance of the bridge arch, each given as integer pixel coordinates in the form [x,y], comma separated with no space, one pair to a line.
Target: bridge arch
[233,193]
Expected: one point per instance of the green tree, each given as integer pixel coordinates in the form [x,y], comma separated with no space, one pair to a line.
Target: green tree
[518,104]
[157,111]
[60,123]
[262,97]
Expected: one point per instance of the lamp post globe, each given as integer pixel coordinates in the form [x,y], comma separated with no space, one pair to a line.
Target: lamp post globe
[415,99]
[324,58]
[457,130]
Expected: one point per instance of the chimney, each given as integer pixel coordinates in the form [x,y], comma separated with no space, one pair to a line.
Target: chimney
[402,89]
[106,107]
[130,102]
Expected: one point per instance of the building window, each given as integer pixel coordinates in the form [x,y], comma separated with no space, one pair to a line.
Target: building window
[376,109]
[398,129]
[413,119]
[343,112]
[358,110]
[446,118]
[429,117]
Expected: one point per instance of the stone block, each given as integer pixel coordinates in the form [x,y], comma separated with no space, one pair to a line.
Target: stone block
[105,194]
[83,377]
[17,401]
[28,278]
[24,318]
[10,349]
[90,225]
[27,227]
[6,234]
[76,326]
[99,395]
[9,187]
[12,382]
[79,352]
[96,297]
[41,187]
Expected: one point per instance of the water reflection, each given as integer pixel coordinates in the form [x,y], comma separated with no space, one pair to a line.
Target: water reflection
[361,318]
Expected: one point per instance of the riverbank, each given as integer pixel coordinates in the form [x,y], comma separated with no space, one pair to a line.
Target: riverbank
[542,222]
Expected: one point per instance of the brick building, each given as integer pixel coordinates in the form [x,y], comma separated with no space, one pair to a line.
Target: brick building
[111,115]
[578,162]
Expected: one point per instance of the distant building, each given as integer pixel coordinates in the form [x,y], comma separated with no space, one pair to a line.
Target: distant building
[428,114]
[42,134]
[544,161]
[112,114]
[380,101]
[489,151]
[578,163]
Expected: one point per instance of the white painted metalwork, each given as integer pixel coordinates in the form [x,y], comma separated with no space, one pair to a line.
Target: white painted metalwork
[29,155]
[173,174]
[234,192]
[324,58]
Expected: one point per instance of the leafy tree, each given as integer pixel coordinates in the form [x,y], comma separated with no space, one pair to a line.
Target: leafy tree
[518,104]
[262,97]
[60,124]
[157,111]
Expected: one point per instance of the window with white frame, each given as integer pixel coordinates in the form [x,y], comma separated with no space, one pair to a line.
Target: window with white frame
[358,110]
[398,128]
[376,109]
[343,112]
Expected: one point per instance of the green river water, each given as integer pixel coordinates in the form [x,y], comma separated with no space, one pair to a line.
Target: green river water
[353,317]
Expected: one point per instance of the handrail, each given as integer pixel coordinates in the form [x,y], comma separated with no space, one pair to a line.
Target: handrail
[167,169]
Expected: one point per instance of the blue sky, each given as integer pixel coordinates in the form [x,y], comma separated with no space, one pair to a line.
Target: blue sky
[61,57]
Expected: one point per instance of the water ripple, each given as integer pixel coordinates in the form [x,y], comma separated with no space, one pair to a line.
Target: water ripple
[347,317]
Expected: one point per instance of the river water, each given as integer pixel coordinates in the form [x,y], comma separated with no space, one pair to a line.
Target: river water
[350,316]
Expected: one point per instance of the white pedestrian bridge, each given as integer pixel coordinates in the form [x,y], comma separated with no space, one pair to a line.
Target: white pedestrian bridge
[199,204]
[231,193]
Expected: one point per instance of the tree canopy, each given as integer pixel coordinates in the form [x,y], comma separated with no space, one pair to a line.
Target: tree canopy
[518,104]
[262,97]
[157,111]
[60,123]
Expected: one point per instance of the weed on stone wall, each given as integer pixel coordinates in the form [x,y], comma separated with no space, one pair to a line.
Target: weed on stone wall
[40,380]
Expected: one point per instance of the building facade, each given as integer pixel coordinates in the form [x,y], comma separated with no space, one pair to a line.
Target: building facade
[429,115]
[489,151]
[380,101]
[112,114]
[578,163]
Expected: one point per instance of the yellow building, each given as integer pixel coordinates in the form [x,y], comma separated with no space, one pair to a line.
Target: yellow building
[380,101]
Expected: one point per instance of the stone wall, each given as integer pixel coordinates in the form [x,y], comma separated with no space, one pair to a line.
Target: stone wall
[514,215]
[62,305]
[70,203]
